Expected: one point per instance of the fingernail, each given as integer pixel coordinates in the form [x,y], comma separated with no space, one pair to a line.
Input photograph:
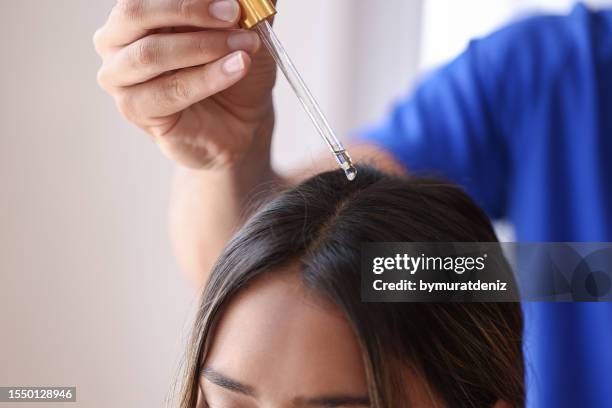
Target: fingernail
[234,63]
[243,41]
[224,10]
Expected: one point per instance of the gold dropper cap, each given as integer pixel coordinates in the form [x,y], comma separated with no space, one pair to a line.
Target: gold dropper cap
[255,11]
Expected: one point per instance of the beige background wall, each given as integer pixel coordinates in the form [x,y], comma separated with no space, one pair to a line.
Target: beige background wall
[89,293]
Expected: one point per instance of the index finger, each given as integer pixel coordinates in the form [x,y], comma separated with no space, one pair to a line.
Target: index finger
[131,20]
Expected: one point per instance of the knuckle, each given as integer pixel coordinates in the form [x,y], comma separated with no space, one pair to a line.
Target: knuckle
[186,9]
[97,41]
[176,90]
[203,44]
[125,105]
[101,78]
[146,52]
[130,9]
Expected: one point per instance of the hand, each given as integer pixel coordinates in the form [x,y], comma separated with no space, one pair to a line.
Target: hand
[182,71]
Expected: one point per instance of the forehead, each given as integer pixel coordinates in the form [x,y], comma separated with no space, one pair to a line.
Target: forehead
[282,339]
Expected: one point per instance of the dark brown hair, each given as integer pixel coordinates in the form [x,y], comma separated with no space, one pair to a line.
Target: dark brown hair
[469,354]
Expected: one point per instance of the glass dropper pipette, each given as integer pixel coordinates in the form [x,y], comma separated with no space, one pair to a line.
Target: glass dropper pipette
[255,15]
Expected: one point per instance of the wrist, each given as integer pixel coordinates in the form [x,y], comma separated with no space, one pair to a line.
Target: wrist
[253,172]
[247,180]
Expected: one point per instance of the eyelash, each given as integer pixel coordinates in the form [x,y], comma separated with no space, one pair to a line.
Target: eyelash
[207,405]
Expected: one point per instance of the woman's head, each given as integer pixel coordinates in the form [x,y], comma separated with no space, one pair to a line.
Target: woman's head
[282,323]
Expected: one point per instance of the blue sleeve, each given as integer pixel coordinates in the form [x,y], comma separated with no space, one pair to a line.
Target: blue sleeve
[447,129]
[460,122]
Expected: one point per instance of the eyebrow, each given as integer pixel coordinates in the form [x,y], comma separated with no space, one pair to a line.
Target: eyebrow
[221,380]
[327,401]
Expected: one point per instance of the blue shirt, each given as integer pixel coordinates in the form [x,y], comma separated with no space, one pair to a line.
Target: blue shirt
[523,120]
